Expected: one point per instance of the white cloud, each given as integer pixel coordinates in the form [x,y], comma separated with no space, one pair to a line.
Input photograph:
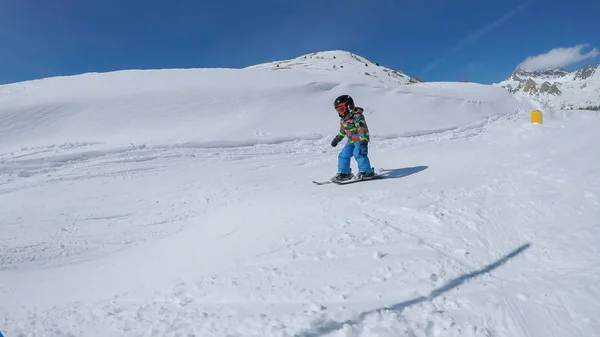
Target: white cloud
[558,57]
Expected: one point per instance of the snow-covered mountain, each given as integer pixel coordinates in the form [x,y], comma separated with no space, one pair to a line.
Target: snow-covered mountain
[558,88]
[345,64]
[180,202]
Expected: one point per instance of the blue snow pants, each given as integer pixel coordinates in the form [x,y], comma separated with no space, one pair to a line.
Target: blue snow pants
[353,149]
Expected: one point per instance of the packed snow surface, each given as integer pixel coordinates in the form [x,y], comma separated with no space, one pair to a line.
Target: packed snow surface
[180,203]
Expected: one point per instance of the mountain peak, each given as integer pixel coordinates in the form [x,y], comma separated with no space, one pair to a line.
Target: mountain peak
[587,72]
[557,87]
[549,73]
[343,62]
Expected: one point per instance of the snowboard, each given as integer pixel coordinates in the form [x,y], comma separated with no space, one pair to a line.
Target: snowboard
[349,181]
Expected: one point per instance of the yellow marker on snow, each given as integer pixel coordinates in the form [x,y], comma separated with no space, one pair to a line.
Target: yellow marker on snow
[536,117]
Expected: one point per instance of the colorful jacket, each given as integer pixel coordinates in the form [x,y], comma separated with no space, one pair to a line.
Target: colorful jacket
[354,126]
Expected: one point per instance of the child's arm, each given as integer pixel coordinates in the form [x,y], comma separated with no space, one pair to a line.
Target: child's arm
[341,133]
[338,138]
[361,127]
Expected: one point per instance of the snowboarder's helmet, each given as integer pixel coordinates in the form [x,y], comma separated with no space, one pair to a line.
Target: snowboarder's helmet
[343,105]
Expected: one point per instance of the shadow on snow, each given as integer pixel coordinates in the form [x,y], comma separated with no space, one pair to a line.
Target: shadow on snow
[332,326]
[402,172]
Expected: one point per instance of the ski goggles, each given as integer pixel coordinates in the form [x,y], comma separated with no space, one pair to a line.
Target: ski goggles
[340,107]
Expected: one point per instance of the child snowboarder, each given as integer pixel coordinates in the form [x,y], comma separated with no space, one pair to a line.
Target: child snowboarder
[354,126]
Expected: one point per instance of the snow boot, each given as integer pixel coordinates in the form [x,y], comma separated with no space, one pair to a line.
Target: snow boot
[365,175]
[342,176]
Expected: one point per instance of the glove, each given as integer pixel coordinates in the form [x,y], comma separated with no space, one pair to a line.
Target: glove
[335,141]
[364,148]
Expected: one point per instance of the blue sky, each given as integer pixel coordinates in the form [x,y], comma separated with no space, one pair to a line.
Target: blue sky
[435,40]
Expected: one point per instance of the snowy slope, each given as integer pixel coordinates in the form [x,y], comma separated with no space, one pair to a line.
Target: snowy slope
[180,203]
[212,107]
[558,88]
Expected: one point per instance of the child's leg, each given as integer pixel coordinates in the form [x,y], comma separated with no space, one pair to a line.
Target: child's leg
[344,158]
[362,159]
